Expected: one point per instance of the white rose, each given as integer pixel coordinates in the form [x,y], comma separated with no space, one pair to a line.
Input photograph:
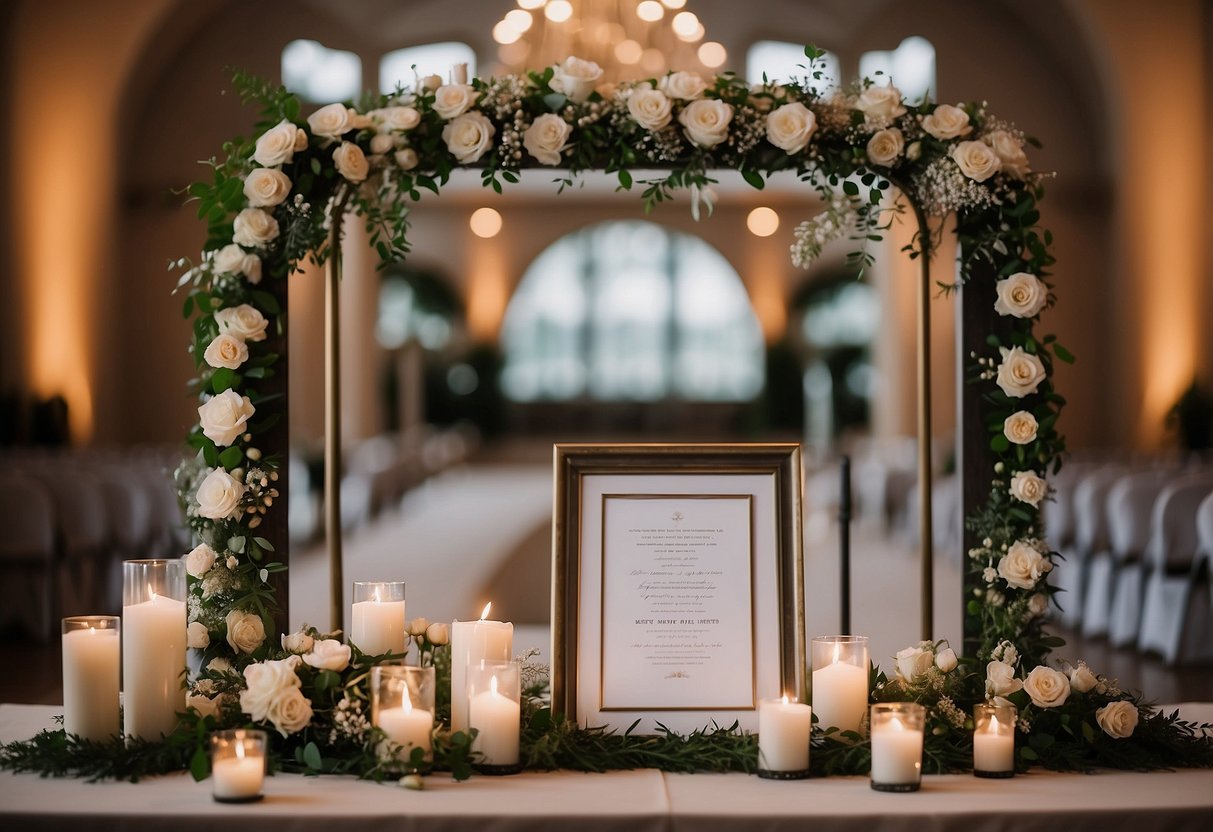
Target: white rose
[223,418]
[244,322]
[382,144]
[351,162]
[650,108]
[1022,295]
[1118,719]
[706,121]
[219,665]
[469,137]
[204,705]
[1000,679]
[1082,679]
[1038,604]
[912,662]
[1023,566]
[1029,488]
[790,127]
[418,626]
[407,159]
[1020,427]
[880,104]
[686,86]
[431,82]
[546,138]
[299,642]
[254,228]
[265,682]
[453,100]
[437,634]
[290,712]
[226,351]
[976,160]
[232,259]
[245,631]
[266,187]
[1009,149]
[219,495]
[1048,688]
[395,118]
[329,654]
[947,122]
[1020,373]
[885,147]
[196,636]
[945,660]
[576,78]
[1005,652]
[331,121]
[200,560]
[276,146]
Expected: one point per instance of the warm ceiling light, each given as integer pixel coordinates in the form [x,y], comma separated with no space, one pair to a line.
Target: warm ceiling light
[650,11]
[485,222]
[520,20]
[628,51]
[558,11]
[762,222]
[530,4]
[674,4]
[712,54]
[685,24]
[504,33]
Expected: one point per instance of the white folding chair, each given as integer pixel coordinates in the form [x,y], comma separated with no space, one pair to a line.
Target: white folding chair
[1088,584]
[1130,506]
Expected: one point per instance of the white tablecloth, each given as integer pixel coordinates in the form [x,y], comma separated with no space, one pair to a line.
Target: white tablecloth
[635,801]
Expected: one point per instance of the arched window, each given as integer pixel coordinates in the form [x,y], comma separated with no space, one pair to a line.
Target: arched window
[782,61]
[911,66]
[318,74]
[404,66]
[631,311]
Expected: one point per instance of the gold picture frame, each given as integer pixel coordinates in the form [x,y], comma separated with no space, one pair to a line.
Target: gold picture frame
[586,476]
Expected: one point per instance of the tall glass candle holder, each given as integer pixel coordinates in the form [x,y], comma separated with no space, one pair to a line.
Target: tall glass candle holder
[840,681]
[90,676]
[994,740]
[471,643]
[402,706]
[897,734]
[377,622]
[153,646]
[494,694]
[238,765]
[784,728]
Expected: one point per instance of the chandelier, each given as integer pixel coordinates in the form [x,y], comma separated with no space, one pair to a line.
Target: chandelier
[629,39]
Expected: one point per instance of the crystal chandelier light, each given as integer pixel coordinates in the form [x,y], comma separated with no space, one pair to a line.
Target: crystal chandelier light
[628,38]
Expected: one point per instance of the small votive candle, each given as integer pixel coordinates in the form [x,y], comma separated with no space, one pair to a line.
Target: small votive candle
[377,622]
[897,733]
[994,740]
[238,765]
[90,676]
[402,706]
[784,727]
[840,681]
[494,694]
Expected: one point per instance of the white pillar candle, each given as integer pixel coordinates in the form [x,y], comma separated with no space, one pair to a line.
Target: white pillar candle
[408,727]
[378,627]
[896,753]
[90,681]
[783,735]
[840,695]
[471,643]
[497,718]
[153,661]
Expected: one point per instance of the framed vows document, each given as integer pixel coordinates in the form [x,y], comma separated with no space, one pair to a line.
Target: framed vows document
[678,591]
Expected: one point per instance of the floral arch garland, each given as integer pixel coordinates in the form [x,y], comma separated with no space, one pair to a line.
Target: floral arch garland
[269,205]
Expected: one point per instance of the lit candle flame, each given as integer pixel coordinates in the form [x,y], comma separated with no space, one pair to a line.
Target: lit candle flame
[406,703]
[151,592]
[493,685]
[376,598]
[240,750]
[92,631]
[485,613]
[785,699]
[895,724]
[994,727]
[837,652]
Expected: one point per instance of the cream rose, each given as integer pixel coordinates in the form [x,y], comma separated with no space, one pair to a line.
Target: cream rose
[546,138]
[265,682]
[196,636]
[1047,687]
[329,654]
[1082,679]
[1005,652]
[219,495]
[1009,149]
[437,634]
[947,122]
[1020,427]
[224,417]
[276,146]
[266,187]
[650,108]
[300,140]
[453,100]
[885,147]
[1000,679]
[1020,373]
[912,662]
[244,321]
[226,351]
[351,162]
[200,560]
[331,121]
[245,631]
[1022,295]
[1023,566]
[417,627]
[880,104]
[290,712]
[576,78]
[976,160]
[219,665]
[395,118]
[254,227]
[686,86]
[1038,604]
[469,137]
[706,121]
[299,642]
[407,159]
[1118,719]
[204,705]
[382,144]
[790,127]
[1028,487]
[945,660]
[232,259]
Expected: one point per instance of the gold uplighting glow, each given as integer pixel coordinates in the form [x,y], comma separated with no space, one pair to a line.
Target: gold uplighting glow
[485,222]
[762,221]
[765,267]
[488,289]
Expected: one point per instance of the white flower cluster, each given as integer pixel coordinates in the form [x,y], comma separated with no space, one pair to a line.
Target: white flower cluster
[813,235]
[350,721]
[272,694]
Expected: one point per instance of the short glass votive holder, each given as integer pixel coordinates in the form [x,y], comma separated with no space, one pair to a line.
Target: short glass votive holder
[994,740]
[402,706]
[90,676]
[238,765]
[494,695]
[377,618]
[896,735]
[840,681]
[784,730]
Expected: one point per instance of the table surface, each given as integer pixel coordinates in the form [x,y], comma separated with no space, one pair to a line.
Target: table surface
[636,801]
